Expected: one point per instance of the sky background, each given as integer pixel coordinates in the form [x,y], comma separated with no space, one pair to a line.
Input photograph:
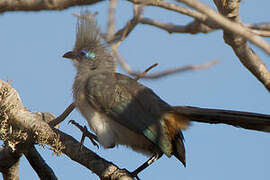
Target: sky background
[32,45]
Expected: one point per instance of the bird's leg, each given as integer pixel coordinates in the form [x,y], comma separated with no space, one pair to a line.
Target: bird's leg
[146,164]
[86,133]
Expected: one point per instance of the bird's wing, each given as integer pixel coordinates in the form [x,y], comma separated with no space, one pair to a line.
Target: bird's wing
[131,104]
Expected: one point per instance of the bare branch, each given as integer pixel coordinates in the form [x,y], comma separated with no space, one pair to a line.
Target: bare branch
[9,163]
[239,44]
[42,169]
[181,69]
[228,25]
[30,5]
[86,133]
[260,26]
[172,7]
[121,34]
[18,116]
[192,28]
[261,32]
[167,72]
[79,153]
[111,20]
[63,116]
[145,72]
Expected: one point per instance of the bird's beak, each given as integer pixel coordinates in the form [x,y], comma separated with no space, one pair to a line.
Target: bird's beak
[69,55]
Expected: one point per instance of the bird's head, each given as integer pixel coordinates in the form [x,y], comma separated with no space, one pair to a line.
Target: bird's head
[90,52]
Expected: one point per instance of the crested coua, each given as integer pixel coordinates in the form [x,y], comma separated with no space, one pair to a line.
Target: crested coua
[118,109]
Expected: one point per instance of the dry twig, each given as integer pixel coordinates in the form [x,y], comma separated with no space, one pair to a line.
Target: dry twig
[30,5]
[111,20]
[63,116]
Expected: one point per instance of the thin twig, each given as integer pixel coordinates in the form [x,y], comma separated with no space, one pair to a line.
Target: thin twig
[86,133]
[172,7]
[111,19]
[63,116]
[130,71]
[259,26]
[263,33]
[121,34]
[178,70]
[145,72]
[192,28]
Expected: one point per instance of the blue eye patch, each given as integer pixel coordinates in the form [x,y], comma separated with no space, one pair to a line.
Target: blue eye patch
[88,54]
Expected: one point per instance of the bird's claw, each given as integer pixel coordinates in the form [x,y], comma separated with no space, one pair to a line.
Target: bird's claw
[86,133]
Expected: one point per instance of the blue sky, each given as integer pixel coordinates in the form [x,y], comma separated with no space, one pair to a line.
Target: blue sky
[32,45]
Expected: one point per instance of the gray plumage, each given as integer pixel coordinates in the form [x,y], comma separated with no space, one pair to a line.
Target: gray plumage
[119,109]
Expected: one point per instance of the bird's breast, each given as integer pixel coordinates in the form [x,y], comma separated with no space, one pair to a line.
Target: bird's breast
[109,132]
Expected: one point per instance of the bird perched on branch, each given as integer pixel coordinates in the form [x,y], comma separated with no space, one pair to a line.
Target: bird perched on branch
[118,109]
[121,111]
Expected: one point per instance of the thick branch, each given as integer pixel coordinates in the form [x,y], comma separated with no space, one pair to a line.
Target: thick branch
[9,163]
[196,26]
[12,109]
[37,5]
[228,25]
[42,169]
[87,158]
[247,56]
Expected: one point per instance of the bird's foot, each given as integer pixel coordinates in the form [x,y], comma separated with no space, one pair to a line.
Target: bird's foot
[145,165]
[86,133]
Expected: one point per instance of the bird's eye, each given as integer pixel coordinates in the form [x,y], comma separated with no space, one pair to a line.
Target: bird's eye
[87,54]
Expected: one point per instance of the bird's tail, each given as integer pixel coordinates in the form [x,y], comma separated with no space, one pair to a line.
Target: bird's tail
[176,122]
[180,117]
[247,120]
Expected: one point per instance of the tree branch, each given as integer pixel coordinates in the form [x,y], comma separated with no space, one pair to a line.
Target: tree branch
[9,163]
[63,116]
[228,25]
[172,7]
[37,5]
[239,44]
[166,72]
[38,131]
[195,27]
[121,34]
[42,169]
[192,28]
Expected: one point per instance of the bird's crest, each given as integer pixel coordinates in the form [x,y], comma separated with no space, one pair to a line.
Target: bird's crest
[88,34]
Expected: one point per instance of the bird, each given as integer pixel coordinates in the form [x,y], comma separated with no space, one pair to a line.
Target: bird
[119,109]
[122,111]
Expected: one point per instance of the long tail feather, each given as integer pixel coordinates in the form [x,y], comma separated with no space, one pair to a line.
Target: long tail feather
[247,120]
